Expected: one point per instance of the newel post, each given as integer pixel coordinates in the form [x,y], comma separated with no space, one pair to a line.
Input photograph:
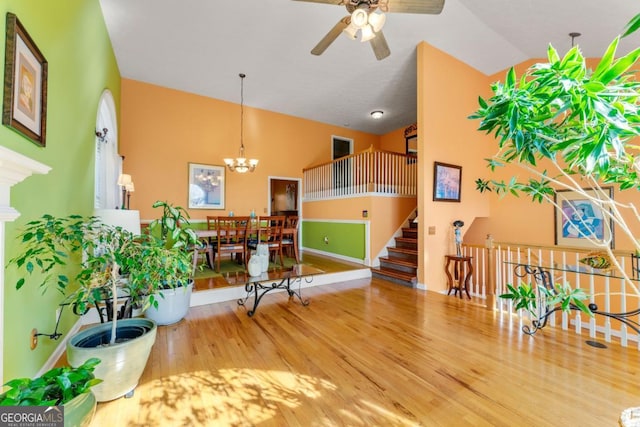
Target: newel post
[372,169]
[490,280]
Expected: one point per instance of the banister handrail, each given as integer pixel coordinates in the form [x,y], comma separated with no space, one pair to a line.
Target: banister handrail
[561,248]
[365,151]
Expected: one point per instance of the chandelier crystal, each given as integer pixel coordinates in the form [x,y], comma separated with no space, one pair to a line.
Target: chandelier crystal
[240,163]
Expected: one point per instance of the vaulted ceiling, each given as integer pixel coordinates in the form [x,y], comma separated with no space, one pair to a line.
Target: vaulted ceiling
[200,46]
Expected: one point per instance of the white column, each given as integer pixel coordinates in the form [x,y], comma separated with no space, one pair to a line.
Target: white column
[14,168]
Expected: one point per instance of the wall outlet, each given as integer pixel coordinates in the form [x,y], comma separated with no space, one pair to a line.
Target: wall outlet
[326,240]
[432,230]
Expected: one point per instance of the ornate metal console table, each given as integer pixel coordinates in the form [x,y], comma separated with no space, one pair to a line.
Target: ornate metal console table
[543,277]
[279,279]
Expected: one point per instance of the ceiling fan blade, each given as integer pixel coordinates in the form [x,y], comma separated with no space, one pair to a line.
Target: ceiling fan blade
[323,1]
[380,46]
[331,36]
[432,7]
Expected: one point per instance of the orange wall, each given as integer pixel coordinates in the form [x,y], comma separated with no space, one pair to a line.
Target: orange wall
[447,93]
[394,141]
[162,130]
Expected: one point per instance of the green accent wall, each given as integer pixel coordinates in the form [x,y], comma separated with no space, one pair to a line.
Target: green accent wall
[73,37]
[344,238]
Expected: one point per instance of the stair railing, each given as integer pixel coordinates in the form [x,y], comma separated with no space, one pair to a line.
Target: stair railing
[370,171]
[497,264]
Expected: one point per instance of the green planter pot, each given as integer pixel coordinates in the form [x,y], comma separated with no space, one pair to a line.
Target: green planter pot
[122,363]
[79,411]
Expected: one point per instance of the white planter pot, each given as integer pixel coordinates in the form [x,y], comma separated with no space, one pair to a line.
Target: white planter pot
[122,363]
[173,305]
[255,265]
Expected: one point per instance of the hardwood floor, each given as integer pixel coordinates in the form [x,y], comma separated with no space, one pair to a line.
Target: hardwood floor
[373,353]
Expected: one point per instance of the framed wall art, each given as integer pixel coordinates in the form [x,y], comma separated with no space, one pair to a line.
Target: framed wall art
[24,106]
[206,186]
[579,221]
[446,182]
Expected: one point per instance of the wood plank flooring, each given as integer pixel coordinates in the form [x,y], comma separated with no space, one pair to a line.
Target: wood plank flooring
[373,353]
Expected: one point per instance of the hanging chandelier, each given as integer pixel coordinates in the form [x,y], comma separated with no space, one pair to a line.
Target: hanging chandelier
[240,163]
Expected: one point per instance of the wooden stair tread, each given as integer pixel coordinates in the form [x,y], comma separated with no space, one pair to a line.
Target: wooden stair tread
[407,239]
[395,274]
[399,261]
[403,250]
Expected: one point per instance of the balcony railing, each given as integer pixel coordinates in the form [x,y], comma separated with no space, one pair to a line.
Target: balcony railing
[498,264]
[367,172]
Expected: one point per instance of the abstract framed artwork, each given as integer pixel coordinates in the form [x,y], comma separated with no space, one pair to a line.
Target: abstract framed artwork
[24,106]
[446,182]
[206,186]
[579,220]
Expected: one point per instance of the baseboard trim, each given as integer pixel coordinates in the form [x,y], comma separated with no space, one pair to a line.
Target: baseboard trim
[337,256]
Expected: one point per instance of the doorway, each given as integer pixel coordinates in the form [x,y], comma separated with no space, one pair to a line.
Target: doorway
[341,147]
[284,196]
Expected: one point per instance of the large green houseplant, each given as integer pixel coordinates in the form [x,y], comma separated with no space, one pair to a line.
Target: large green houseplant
[168,260]
[580,125]
[84,258]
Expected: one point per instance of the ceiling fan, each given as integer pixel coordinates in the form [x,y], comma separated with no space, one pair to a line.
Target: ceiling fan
[366,18]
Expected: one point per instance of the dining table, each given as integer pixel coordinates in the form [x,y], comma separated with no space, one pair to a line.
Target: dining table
[212,234]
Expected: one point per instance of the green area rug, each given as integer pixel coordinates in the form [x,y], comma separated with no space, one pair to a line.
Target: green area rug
[230,266]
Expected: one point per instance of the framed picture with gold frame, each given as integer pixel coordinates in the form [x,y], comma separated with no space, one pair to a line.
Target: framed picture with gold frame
[24,107]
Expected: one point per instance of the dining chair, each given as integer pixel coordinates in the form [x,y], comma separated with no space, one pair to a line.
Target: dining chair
[202,247]
[211,222]
[270,233]
[290,237]
[230,238]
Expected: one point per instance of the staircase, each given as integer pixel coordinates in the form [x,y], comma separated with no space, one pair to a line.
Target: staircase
[401,265]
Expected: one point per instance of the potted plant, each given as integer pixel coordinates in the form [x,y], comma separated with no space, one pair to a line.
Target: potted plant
[66,386]
[168,263]
[580,125]
[122,345]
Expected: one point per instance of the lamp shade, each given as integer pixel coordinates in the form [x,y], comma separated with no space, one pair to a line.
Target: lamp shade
[377,21]
[124,179]
[359,18]
[127,219]
[351,31]
[367,33]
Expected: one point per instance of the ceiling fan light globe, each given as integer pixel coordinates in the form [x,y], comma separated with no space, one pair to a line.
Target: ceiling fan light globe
[377,20]
[351,31]
[367,33]
[359,18]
